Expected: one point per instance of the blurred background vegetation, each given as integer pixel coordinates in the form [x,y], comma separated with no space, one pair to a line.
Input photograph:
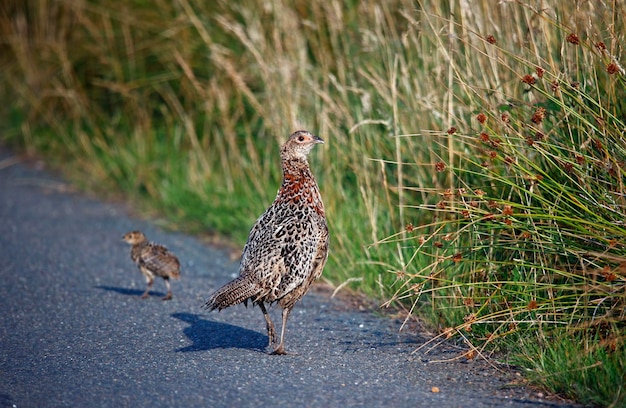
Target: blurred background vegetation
[473,170]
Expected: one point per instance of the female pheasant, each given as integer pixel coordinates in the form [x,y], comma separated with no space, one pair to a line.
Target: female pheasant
[153,260]
[288,245]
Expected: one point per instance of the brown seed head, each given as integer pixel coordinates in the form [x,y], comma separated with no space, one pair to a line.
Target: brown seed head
[580,159]
[491,39]
[554,86]
[482,118]
[568,167]
[539,71]
[470,318]
[507,210]
[528,79]
[539,115]
[449,332]
[573,39]
[452,130]
[440,166]
[612,68]
[598,144]
[601,122]
[484,137]
[610,277]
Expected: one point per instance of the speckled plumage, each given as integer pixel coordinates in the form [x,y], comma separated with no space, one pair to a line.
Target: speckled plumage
[288,245]
[153,260]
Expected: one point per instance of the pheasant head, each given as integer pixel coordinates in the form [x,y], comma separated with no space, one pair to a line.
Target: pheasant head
[298,146]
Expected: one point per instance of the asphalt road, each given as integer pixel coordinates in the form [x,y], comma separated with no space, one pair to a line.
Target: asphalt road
[74,332]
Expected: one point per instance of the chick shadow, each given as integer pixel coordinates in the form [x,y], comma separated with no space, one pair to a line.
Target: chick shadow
[6,401]
[130,292]
[209,335]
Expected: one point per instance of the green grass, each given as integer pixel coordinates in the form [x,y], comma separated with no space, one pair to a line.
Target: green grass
[589,367]
[506,231]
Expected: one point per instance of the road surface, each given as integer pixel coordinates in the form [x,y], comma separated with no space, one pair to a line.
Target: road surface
[74,332]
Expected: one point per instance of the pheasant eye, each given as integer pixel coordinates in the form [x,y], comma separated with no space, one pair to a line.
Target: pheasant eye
[301,138]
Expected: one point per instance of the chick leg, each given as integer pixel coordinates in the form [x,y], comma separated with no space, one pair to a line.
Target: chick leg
[150,281]
[169,289]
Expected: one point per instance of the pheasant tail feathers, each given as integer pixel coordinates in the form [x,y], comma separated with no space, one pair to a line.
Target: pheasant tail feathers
[232,293]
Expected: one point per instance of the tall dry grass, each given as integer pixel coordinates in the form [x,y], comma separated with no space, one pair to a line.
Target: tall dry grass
[182,106]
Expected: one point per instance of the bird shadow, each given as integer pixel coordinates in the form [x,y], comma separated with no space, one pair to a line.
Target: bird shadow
[208,335]
[6,401]
[129,292]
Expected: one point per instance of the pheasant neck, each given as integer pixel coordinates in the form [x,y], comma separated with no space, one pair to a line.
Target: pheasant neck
[135,250]
[299,186]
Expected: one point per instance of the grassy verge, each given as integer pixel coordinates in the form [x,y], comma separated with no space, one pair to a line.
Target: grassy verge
[474,164]
[520,241]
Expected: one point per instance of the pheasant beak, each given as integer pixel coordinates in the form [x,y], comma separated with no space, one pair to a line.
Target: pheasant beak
[318,139]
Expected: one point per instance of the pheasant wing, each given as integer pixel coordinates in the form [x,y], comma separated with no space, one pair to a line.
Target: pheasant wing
[159,260]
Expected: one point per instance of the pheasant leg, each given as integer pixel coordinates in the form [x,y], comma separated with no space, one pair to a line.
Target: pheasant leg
[271,333]
[169,290]
[147,292]
[280,350]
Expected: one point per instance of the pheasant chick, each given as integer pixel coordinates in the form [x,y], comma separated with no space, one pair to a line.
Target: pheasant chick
[153,260]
